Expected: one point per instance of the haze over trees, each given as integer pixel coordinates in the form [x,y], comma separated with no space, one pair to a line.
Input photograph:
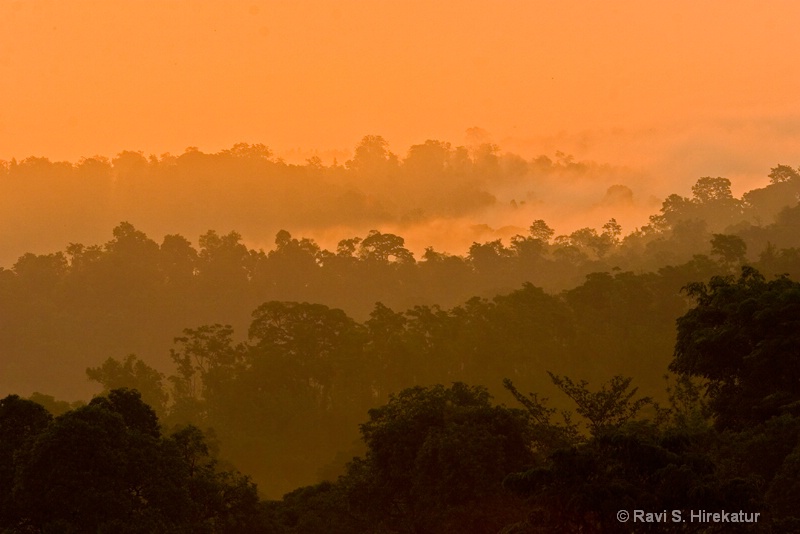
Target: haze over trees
[433,193]
[134,294]
[379,388]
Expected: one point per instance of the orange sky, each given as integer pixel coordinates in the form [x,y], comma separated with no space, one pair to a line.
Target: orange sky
[614,80]
[658,94]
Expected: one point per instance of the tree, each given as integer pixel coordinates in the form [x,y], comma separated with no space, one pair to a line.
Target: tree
[541,231]
[224,262]
[20,422]
[490,258]
[54,406]
[177,261]
[257,151]
[106,468]
[132,258]
[743,336]
[318,509]
[222,501]
[311,346]
[76,473]
[137,416]
[429,160]
[291,269]
[372,156]
[347,247]
[783,494]
[207,360]
[377,248]
[587,238]
[674,209]
[547,436]
[783,173]
[609,408]
[708,189]
[626,462]
[612,231]
[301,331]
[135,374]
[41,274]
[436,459]
[635,466]
[730,249]
[129,165]
[388,346]
[527,251]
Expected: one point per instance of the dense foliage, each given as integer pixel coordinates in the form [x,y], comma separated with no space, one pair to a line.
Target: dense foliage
[287,350]
[436,459]
[106,467]
[134,294]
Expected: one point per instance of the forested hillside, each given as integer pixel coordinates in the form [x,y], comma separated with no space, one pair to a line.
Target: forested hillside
[134,294]
[447,459]
[287,364]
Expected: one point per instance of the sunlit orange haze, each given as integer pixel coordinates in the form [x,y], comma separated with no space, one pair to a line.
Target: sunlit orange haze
[655,94]
[451,124]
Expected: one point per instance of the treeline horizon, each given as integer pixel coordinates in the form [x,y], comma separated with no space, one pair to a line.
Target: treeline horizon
[249,190]
[278,354]
[134,295]
[318,363]
[435,194]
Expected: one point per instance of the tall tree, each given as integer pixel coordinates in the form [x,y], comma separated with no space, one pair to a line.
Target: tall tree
[743,336]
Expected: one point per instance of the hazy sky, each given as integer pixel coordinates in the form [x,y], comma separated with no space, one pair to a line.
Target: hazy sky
[665,91]
[96,77]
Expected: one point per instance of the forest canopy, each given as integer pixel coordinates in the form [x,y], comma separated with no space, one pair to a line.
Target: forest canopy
[435,458]
[434,194]
[299,369]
